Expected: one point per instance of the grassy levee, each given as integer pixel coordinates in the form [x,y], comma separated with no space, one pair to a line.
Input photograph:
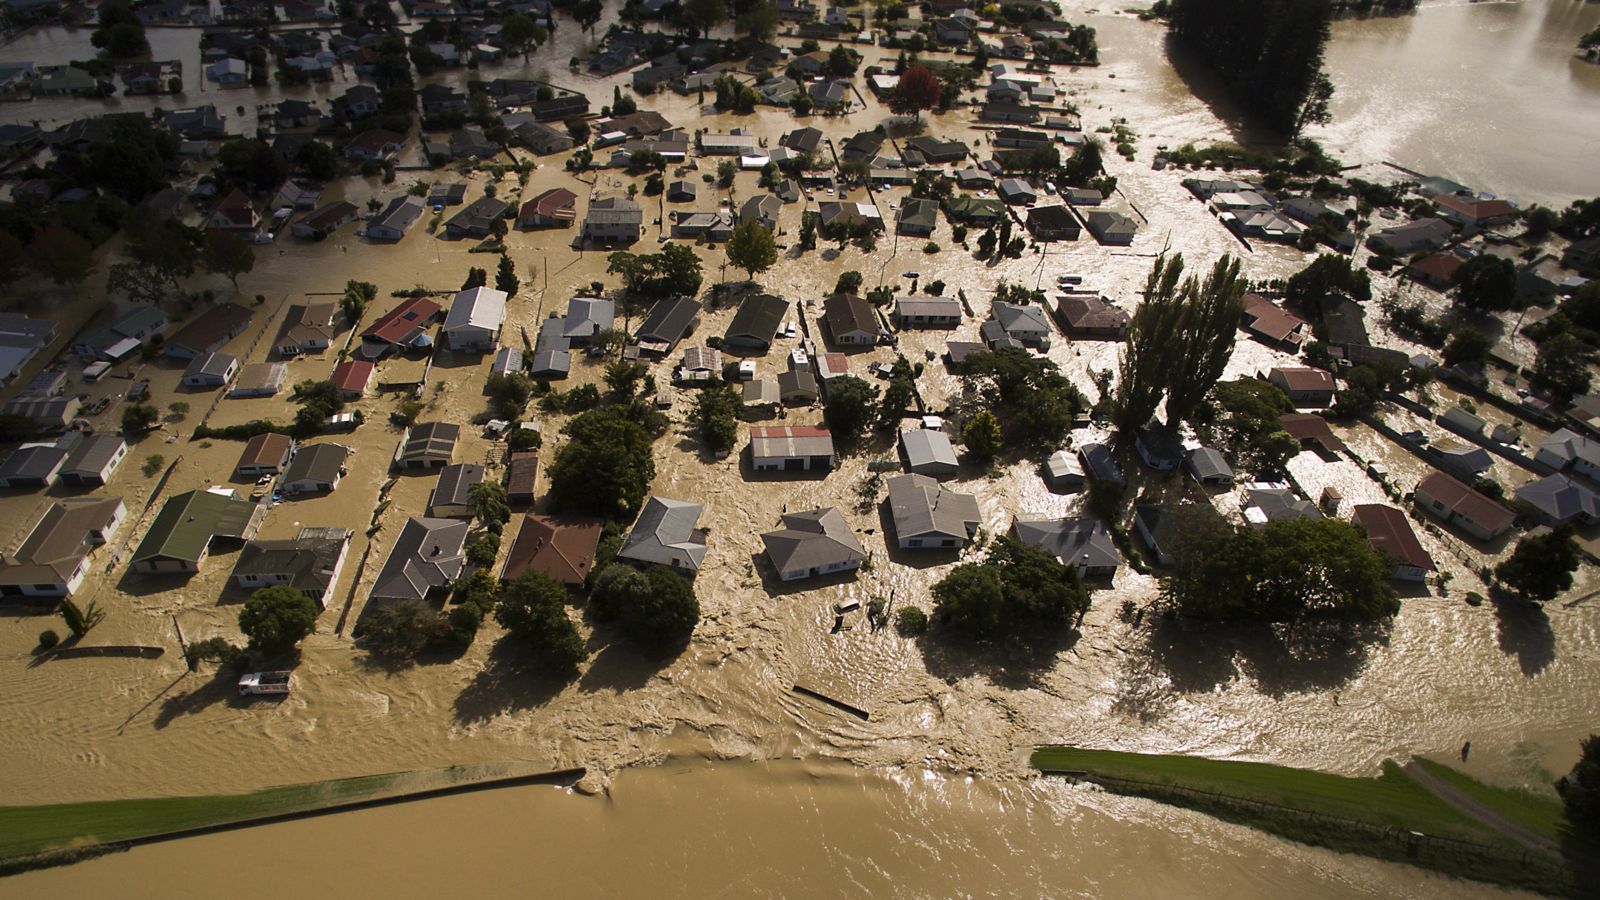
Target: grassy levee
[1389,817]
[55,834]
[1541,814]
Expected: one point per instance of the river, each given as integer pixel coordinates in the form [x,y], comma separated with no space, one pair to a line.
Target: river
[903,819]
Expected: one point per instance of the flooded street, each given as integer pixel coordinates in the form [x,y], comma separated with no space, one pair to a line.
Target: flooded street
[807,800]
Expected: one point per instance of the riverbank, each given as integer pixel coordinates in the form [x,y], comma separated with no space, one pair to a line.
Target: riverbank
[1392,816]
[33,837]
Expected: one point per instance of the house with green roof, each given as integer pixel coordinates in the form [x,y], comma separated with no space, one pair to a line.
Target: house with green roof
[181,535]
[977,210]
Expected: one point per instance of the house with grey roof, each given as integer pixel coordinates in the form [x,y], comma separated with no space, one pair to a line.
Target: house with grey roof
[918,216]
[1566,449]
[813,543]
[1063,470]
[927,312]
[756,324]
[1274,504]
[928,515]
[1027,325]
[667,323]
[426,559]
[474,320]
[210,370]
[666,534]
[1084,544]
[613,220]
[310,562]
[1111,228]
[587,317]
[452,493]
[92,461]
[1560,500]
[1208,466]
[428,445]
[1099,464]
[315,469]
[929,452]
[34,466]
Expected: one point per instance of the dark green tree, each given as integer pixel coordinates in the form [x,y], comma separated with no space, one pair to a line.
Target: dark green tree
[1580,789]
[1266,53]
[1562,367]
[401,630]
[655,608]
[716,417]
[1541,567]
[848,409]
[227,254]
[1034,402]
[752,248]
[532,609]
[1486,283]
[1018,591]
[605,467]
[277,618]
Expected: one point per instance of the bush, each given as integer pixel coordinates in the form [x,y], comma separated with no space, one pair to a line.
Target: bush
[139,418]
[218,650]
[482,551]
[401,630]
[465,620]
[911,621]
[656,609]
[152,465]
[930,247]
[48,638]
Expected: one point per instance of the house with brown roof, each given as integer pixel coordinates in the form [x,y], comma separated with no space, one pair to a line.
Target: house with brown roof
[54,558]
[1472,212]
[522,477]
[1053,223]
[1271,324]
[207,332]
[1304,385]
[308,328]
[235,213]
[561,547]
[264,454]
[1390,534]
[1091,317]
[1312,431]
[555,208]
[399,328]
[851,321]
[325,221]
[375,144]
[1436,270]
[351,377]
[1460,505]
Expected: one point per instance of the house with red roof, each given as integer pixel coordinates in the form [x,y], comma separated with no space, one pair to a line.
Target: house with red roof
[791,448]
[1271,324]
[1474,213]
[1436,270]
[1304,385]
[351,377]
[1390,534]
[400,328]
[1463,507]
[234,212]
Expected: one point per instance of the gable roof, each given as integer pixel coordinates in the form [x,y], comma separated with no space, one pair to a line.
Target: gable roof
[319,463]
[402,323]
[1311,427]
[812,540]
[430,440]
[1462,500]
[758,318]
[1390,534]
[926,447]
[480,307]
[668,321]
[454,486]
[352,375]
[309,559]
[789,441]
[265,449]
[847,314]
[187,523]
[59,541]
[93,453]
[561,547]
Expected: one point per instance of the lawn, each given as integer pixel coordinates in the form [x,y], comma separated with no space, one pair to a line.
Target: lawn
[30,829]
[1542,814]
[1390,799]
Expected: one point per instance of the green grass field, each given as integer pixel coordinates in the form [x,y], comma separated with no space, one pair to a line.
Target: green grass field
[1542,814]
[31,829]
[1370,816]
[1390,799]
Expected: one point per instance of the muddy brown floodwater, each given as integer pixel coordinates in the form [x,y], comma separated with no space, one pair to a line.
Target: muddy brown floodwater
[790,816]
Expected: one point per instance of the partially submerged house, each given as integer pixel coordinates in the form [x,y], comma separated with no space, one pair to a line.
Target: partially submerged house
[400,329]
[315,469]
[53,559]
[180,537]
[667,323]
[562,547]
[929,516]
[851,321]
[452,493]
[813,543]
[426,559]
[32,466]
[310,563]
[1460,505]
[1084,544]
[1305,386]
[263,454]
[91,463]
[1389,533]
[791,448]
[667,534]
[927,312]
[473,323]
[929,452]
[756,324]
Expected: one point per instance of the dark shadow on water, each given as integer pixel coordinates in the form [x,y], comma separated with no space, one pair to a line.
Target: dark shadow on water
[221,687]
[1203,656]
[1209,89]
[616,665]
[1007,663]
[1524,632]
[510,681]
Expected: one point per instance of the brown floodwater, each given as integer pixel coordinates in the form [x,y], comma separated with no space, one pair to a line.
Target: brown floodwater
[1521,687]
[784,829]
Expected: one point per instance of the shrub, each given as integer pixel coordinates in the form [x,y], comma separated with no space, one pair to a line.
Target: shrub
[48,638]
[152,465]
[276,618]
[930,247]
[911,621]
[217,650]
[401,630]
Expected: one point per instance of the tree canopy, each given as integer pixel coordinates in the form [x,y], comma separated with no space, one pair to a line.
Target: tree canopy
[848,409]
[1541,567]
[1486,283]
[276,618]
[1248,413]
[673,271]
[655,608]
[1179,341]
[1018,592]
[605,468]
[752,247]
[532,609]
[1282,572]
[1034,402]
[917,90]
[716,417]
